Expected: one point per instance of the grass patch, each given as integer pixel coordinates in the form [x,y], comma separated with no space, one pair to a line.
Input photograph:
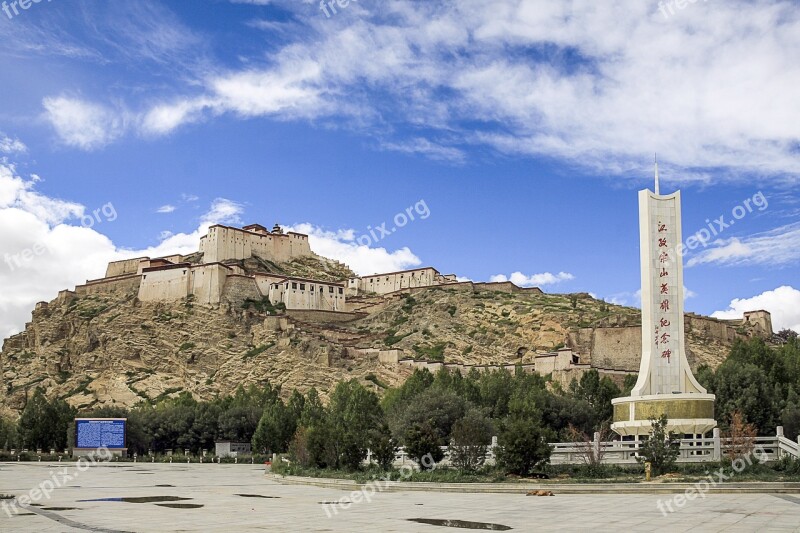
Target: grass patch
[186,346]
[431,353]
[263,306]
[374,379]
[92,312]
[257,350]
[393,338]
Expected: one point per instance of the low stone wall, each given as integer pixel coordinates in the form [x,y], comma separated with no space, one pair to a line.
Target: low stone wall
[434,366]
[506,286]
[323,317]
[119,284]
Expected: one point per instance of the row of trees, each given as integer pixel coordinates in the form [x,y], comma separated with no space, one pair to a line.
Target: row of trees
[427,411]
[761,382]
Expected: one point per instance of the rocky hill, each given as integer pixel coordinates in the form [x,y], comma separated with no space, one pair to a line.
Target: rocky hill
[112,349]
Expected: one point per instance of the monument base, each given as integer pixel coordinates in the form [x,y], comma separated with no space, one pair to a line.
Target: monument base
[687,413]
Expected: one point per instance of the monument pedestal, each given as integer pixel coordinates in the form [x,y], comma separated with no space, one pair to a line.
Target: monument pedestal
[688,413]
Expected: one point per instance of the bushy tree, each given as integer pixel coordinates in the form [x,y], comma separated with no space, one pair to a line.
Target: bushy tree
[522,445]
[383,446]
[661,449]
[470,440]
[275,428]
[597,392]
[422,440]
[8,434]
[44,423]
[438,408]
[353,413]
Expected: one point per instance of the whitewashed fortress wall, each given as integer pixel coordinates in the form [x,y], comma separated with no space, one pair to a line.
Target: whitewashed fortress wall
[396,281]
[223,243]
[298,293]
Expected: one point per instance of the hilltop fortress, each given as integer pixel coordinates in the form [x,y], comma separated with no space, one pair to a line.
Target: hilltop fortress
[254,303]
[215,274]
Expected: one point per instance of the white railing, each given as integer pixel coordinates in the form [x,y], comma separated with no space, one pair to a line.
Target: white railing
[617,452]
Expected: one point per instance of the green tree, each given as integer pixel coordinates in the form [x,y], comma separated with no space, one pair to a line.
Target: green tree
[353,413]
[275,429]
[522,446]
[597,392]
[438,408]
[44,424]
[470,440]
[8,434]
[661,449]
[383,446]
[423,444]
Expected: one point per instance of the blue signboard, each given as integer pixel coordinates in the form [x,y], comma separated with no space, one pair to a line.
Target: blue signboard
[95,433]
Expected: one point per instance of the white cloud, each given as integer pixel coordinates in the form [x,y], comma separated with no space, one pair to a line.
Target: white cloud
[11,146]
[780,246]
[521,280]
[593,83]
[783,303]
[168,208]
[342,246]
[83,124]
[223,211]
[427,148]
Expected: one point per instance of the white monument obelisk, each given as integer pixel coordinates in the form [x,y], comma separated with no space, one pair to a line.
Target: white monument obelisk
[666,384]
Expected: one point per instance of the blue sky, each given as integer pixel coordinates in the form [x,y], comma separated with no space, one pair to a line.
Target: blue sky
[525,128]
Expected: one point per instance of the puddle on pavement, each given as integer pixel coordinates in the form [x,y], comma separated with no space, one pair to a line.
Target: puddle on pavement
[165,485]
[461,524]
[256,496]
[37,505]
[180,505]
[139,499]
[25,514]
[59,508]
[145,472]
[337,502]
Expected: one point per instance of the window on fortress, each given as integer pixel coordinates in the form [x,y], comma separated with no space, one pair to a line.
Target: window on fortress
[311,288]
[330,289]
[302,286]
[340,290]
[294,285]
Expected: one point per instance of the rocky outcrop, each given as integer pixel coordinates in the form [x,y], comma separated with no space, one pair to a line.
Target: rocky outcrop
[111,349]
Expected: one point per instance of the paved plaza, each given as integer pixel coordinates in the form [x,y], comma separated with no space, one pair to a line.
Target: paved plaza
[146,497]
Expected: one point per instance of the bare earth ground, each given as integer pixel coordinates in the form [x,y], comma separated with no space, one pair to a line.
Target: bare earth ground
[215,494]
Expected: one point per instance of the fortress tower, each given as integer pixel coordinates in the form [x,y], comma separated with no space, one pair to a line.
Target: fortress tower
[666,384]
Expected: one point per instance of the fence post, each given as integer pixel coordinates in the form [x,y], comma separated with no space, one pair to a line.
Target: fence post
[778,435]
[596,446]
[717,445]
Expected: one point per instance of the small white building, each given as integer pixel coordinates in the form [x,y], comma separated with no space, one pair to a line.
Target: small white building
[300,293]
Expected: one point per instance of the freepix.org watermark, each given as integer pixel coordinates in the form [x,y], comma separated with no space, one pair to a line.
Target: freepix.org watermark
[699,489]
[11,9]
[368,491]
[667,8]
[57,479]
[329,6]
[715,227]
[88,220]
[402,219]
